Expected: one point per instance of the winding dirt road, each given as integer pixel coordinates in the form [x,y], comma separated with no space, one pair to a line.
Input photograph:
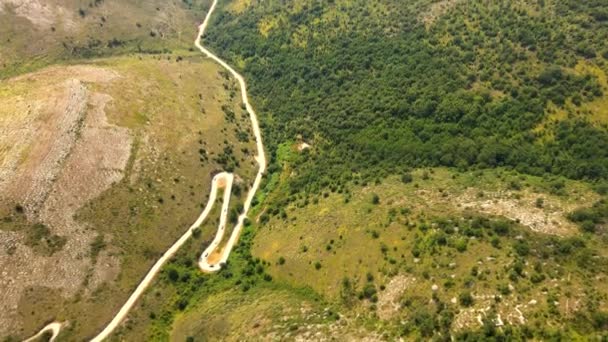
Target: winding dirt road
[54,328]
[260,157]
[225,178]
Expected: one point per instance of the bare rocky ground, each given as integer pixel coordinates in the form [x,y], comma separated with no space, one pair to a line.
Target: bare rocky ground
[520,206]
[437,10]
[389,300]
[42,14]
[57,152]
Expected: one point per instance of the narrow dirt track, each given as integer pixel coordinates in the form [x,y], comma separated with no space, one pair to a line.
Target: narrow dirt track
[54,328]
[228,179]
[260,158]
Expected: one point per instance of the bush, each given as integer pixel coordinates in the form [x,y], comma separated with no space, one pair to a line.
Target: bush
[537,278]
[466,299]
[97,245]
[504,289]
[521,248]
[588,218]
[173,274]
[375,199]
[600,320]
[461,245]
[196,232]
[369,290]
[501,227]
[540,203]
[407,178]
[19,209]
[588,226]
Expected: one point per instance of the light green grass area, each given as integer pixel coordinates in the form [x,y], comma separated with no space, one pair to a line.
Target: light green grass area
[237,315]
[448,229]
[351,220]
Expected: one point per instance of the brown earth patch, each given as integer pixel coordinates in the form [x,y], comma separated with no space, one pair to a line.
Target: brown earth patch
[221,183]
[215,256]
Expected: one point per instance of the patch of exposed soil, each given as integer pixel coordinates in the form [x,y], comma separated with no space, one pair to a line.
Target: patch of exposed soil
[389,299]
[436,10]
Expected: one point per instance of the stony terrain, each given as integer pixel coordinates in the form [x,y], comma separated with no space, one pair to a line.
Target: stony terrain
[79,139]
[60,156]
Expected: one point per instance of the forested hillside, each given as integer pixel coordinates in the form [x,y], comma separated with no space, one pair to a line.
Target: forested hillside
[380,86]
[439,168]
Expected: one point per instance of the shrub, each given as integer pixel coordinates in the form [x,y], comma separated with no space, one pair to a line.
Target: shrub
[97,245]
[504,289]
[501,227]
[466,299]
[461,245]
[407,178]
[588,226]
[540,202]
[383,248]
[196,232]
[19,209]
[369,290]
[537,278]
[521,248]
[173,274]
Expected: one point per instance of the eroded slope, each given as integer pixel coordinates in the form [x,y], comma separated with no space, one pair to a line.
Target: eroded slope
[103,166]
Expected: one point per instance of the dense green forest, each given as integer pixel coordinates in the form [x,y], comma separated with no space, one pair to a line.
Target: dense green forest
[379,91]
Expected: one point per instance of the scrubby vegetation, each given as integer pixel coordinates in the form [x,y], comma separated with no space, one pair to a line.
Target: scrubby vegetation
[383,89]
[593,218]
[443,262]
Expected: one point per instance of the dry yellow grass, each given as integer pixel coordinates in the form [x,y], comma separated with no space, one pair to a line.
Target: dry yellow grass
[137,134]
